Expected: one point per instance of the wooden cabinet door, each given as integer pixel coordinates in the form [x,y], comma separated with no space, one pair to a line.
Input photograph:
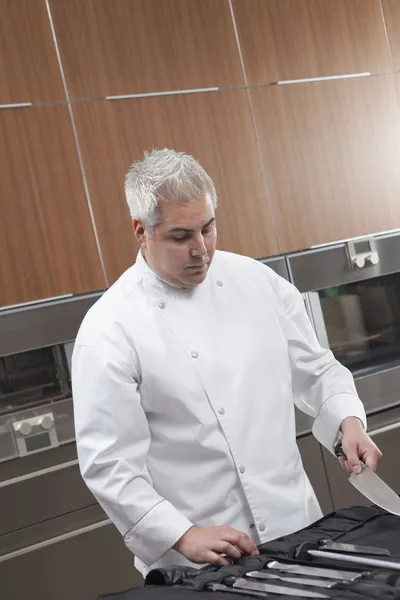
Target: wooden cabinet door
[313,463]
[29,69]
[114,47]
[331,153]
[384,428]
[295,39]
[391,11]
[216,127]
[48,246]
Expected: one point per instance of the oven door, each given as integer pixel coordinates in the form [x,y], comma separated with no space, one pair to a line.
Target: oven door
[354,305]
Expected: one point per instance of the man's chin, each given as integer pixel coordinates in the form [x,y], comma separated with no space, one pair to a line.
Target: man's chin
[195,276]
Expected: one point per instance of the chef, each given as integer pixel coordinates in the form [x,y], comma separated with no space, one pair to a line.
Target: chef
[185,377]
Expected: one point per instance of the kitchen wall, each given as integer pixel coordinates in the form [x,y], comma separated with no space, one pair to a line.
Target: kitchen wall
[87,85]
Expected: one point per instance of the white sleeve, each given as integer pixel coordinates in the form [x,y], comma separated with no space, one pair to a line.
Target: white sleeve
[113,439]
[322,387]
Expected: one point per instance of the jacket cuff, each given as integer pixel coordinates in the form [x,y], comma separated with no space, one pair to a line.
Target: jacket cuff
[333,411]
[156,533]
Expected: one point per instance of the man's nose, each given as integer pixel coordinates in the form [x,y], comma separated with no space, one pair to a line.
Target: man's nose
[199,249]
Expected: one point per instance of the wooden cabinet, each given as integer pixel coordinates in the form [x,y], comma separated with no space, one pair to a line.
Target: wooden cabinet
[48,245]
[327,153]
[331,153]
[313,463]
[286,39]
[391,11]
[215,127]
[114,47]
[29,69]
[384,428]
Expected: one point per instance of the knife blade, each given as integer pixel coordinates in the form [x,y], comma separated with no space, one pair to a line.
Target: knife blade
[337,574]
[326,544]
[296,580]
[370,485]
[219,587]
[245,584]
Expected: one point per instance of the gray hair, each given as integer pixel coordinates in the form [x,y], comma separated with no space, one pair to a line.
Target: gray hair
[164,175]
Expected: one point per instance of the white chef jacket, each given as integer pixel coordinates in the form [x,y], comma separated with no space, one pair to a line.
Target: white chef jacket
[184,405]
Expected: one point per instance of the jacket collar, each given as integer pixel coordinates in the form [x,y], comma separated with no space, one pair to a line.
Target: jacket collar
[151,280]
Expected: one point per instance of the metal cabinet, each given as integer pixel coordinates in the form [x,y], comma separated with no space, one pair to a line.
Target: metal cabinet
[314,466]
[42,495]
[55,539]
[384,428]
[80,564]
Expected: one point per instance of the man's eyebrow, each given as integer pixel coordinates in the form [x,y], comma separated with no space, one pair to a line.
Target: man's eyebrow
[185,230]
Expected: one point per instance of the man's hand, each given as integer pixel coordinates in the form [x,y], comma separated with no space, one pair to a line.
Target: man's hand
[357,446]
[206,545]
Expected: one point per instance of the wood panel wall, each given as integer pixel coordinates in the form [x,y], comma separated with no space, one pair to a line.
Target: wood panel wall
[291,105]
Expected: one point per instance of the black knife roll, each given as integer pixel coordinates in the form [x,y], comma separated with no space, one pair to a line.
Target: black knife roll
[369,526]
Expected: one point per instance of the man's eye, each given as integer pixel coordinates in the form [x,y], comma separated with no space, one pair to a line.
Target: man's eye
[208,229]
[180,238]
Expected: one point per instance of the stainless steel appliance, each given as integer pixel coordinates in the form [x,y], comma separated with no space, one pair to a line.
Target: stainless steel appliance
[277,264]
[35,402]
[352,294]
[55,540]
[310,450]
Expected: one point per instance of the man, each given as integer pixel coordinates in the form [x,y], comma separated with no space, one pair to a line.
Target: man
[185,376]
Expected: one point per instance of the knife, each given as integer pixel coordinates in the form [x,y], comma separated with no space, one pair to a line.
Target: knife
[372,486]
[219,587]
[337,574]
[245,584]
[326,544]
[303,551]
[297,580]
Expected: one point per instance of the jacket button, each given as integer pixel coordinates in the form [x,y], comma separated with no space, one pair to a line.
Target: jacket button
[241,469]
[194,354]
[262,527]
[221,411]
[161,304]
[252,526]
[220,283]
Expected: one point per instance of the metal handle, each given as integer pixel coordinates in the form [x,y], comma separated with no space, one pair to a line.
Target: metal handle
[54,540]
[17,105]
[338,449]
[39,473]
[384,429]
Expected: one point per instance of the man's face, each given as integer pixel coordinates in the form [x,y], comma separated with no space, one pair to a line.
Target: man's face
[180,249]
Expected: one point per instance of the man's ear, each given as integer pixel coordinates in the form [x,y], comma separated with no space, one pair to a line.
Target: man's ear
[140,232]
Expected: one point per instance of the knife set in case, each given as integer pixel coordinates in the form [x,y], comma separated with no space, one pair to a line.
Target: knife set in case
[286,580]
[353,554]
[264,577]
[316,562]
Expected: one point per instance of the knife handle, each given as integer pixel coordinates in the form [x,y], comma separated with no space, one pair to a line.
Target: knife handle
[339,453]
[229,580]
[338,449]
